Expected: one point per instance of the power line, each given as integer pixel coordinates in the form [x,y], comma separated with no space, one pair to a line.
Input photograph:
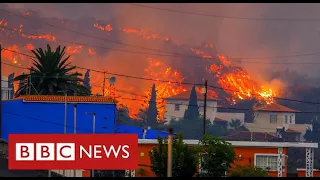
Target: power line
[170,54]
[149,79]
[114,74]
[84,34]
[226,17]
[121,50]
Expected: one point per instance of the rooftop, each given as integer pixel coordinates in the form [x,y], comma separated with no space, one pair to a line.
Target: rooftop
[274,107]
[250,136]
[292,131]
[186,96]
[54,98]
[219,120]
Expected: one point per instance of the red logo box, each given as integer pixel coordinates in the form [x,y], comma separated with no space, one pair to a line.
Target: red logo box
[73,151]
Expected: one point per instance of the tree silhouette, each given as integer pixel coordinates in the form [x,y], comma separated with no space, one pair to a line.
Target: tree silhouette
[51,74]
[86,80]
[152,112]
[184,158]
[236,124]
[192,112]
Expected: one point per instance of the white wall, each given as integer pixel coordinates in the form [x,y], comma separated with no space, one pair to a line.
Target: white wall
[171,113]
[5,91]
[263,118]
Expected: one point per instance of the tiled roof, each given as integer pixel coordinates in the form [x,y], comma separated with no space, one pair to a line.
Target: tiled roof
[274,107]
[219,120]
[292,131]
[53,98]
[186,95]
[246,136]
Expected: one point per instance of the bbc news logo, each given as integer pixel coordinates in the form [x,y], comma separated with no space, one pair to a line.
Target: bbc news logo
[73,151]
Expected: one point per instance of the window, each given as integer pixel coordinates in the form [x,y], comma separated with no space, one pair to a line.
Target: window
[286,119]
[290,119]
[177,107]
[267,162]
[273,119]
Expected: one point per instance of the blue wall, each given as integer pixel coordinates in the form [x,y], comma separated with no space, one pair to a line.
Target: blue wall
[41,117]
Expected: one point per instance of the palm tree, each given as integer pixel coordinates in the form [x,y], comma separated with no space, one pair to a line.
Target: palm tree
[51,74]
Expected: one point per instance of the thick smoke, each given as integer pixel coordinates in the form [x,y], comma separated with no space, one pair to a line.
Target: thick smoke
[231,37]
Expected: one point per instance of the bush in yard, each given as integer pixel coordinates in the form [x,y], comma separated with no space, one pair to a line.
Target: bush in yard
[184,158]
[216,157]
[248,171]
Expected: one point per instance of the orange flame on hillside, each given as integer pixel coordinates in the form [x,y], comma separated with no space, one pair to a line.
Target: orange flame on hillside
[239,83]
[91,51]
[145,34]
[74,49]
[106,28]
[48,37]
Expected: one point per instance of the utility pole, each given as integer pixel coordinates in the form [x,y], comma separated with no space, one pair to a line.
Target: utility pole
[104,83]
[204,91]
[75,128]
[169,163]
[1,94]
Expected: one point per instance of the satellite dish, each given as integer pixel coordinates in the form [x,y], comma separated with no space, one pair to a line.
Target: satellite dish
[112,80]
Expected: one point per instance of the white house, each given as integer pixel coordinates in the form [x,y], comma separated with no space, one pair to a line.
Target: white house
[5,90]
[274,116]
[176,106]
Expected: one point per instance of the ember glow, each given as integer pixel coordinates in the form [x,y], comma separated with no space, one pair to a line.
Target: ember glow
[106,28]
[74,49]
[145,34]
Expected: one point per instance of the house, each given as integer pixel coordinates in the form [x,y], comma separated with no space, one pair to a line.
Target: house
[5,90]
[176,105]
[46,114]
[268,155]
[272,117]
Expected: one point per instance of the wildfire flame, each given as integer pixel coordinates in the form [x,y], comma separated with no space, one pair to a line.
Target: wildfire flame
[91,51]
[74,49]
[234,80]
[145,34]
[106,28]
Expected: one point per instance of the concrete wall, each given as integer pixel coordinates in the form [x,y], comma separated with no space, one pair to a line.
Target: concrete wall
[5,91]
[40,117]
[263,118]
[247,156]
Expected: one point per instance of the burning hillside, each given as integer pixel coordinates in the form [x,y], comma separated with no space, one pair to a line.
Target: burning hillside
[167,70]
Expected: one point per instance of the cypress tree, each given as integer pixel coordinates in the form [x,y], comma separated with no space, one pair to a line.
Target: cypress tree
[192,112]
[152,112]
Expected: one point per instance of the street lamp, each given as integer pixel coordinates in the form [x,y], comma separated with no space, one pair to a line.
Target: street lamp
[93,131]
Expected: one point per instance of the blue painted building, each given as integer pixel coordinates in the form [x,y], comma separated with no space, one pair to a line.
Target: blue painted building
[45,114]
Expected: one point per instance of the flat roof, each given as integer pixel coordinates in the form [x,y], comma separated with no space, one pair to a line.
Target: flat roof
[244,143]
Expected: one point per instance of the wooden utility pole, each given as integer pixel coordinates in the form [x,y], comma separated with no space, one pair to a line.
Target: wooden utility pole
[1,94]
[169,163]
[104,83]
[204,91]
